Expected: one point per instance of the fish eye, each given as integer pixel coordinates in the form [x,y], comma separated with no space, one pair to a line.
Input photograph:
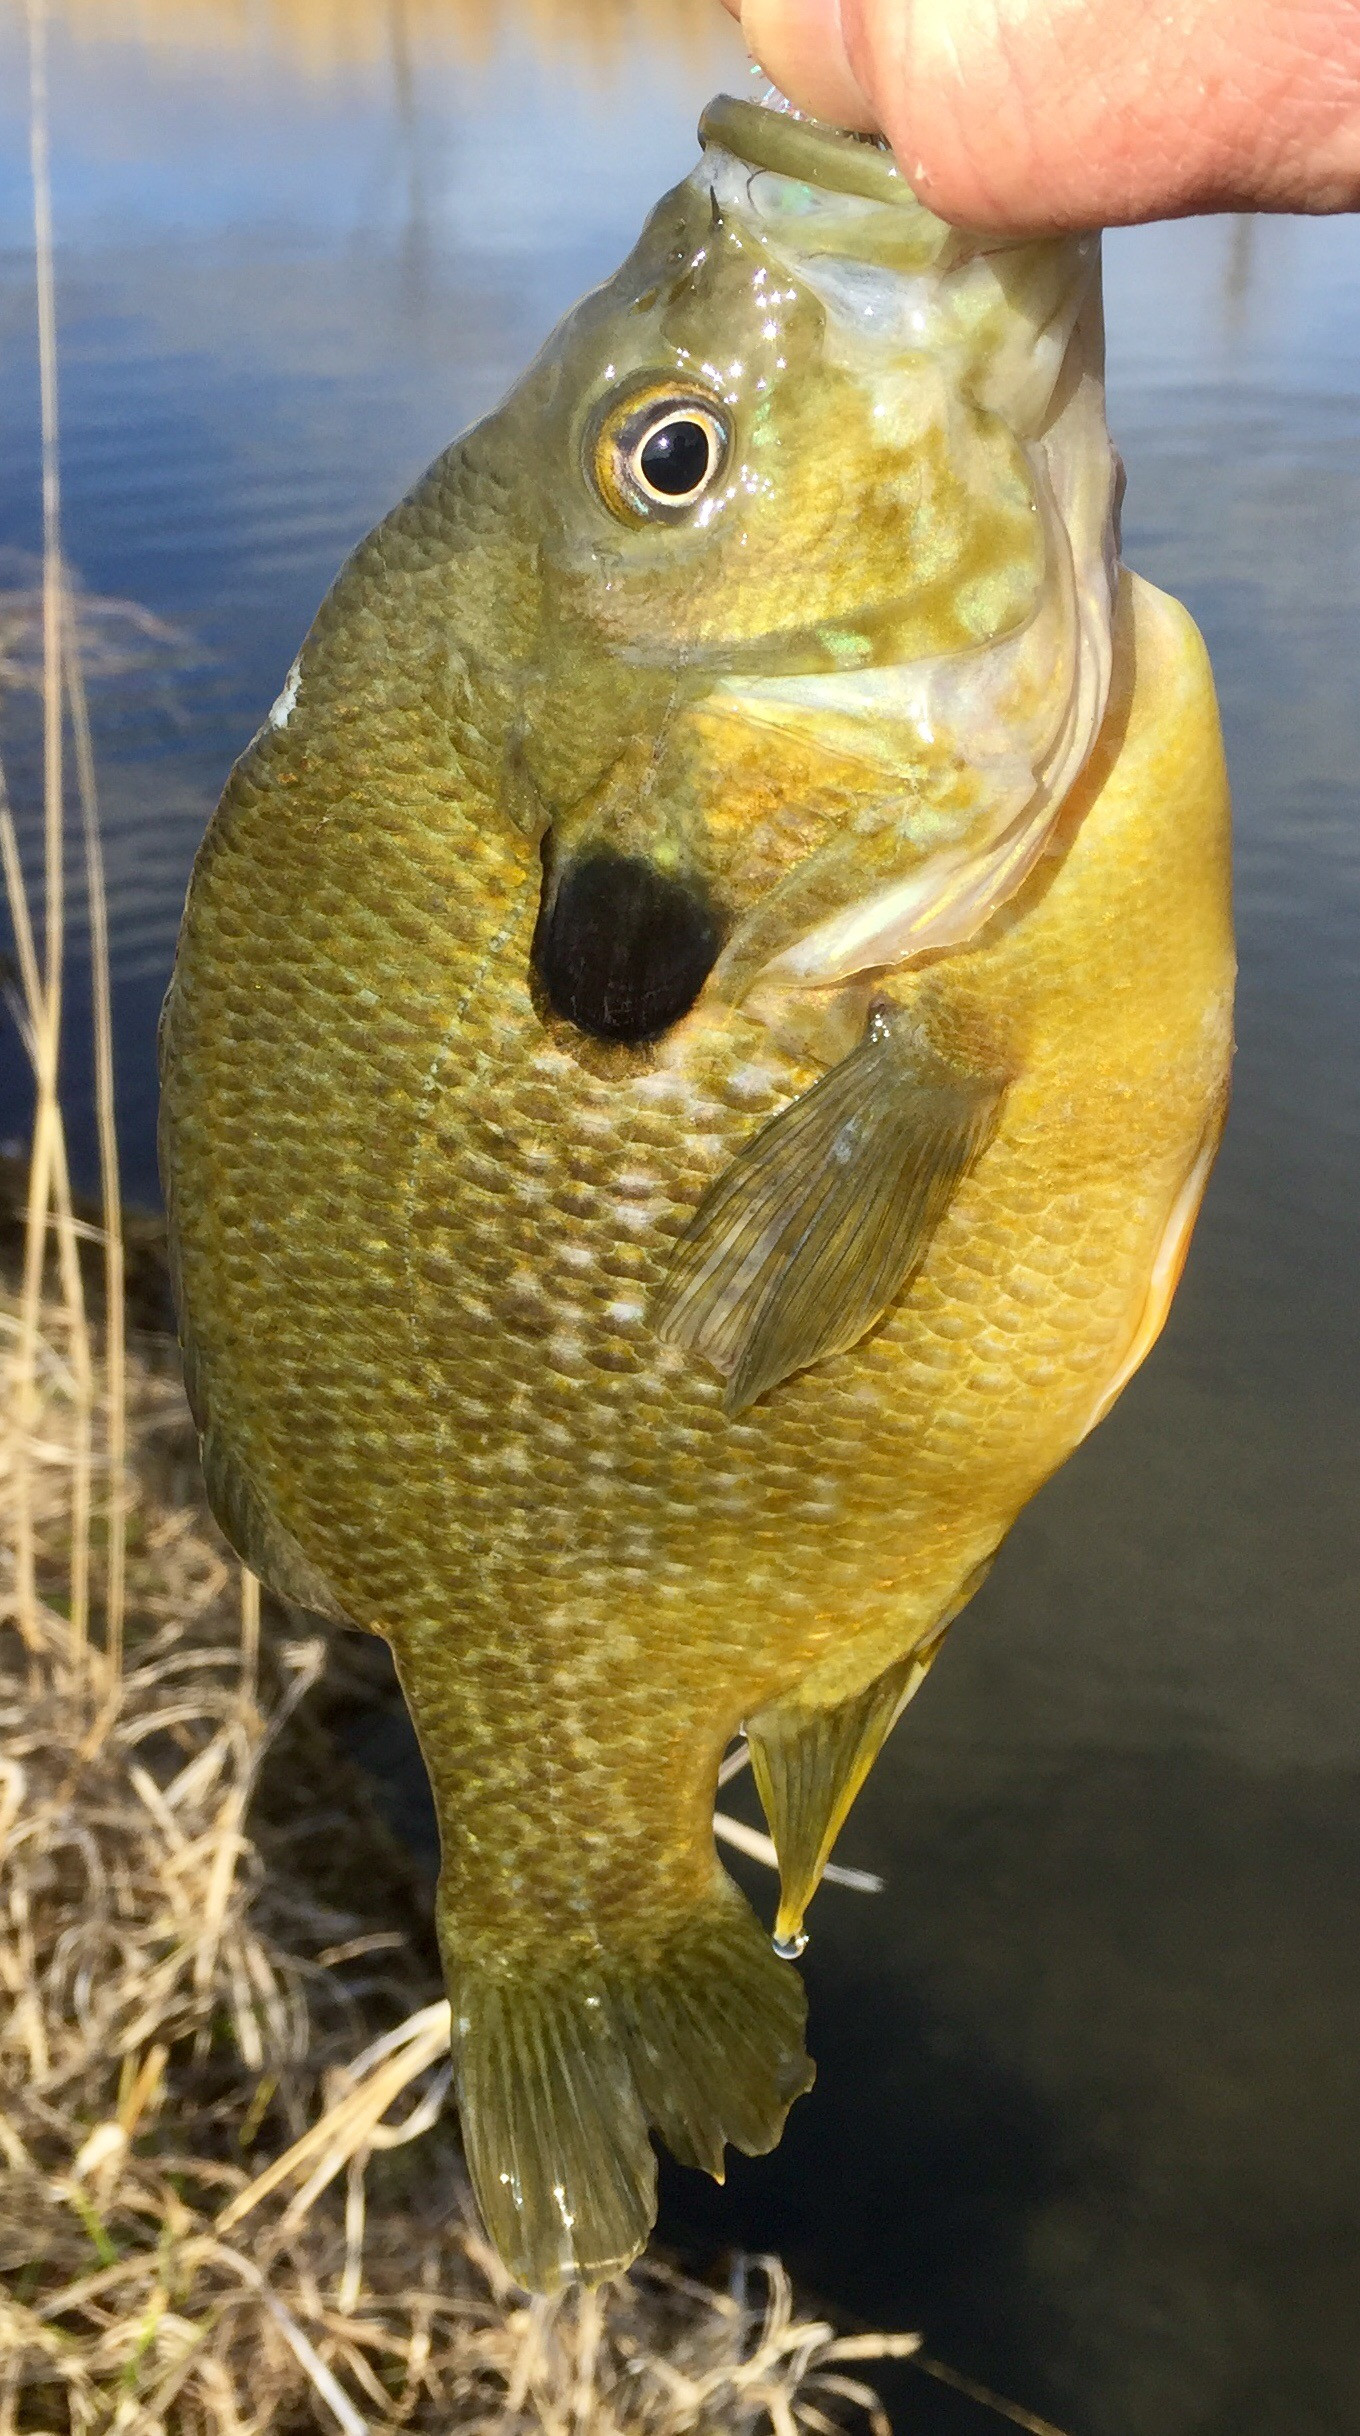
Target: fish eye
[653,459]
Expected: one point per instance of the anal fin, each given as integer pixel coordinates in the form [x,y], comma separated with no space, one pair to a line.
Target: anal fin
[809,1764]
[819,1223]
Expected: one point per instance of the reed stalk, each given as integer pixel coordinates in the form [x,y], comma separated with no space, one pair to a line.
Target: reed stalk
[47,1160]
[110,1182]
[49,1211]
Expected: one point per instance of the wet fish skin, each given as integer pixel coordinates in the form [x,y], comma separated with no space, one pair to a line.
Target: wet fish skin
[428,1227]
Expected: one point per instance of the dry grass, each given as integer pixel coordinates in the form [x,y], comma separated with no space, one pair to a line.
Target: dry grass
[231,2198]
[209,2218]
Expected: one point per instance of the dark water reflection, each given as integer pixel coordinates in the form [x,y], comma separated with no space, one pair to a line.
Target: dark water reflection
[1088,2103]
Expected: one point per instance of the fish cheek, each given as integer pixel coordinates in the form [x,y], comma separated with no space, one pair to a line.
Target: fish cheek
[586,705]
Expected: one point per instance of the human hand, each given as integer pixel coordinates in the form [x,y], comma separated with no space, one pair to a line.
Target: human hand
[1035,115]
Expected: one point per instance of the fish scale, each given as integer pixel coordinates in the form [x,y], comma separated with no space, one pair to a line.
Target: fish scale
[647,1381]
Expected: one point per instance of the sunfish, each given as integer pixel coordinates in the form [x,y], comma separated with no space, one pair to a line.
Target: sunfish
[700,1029]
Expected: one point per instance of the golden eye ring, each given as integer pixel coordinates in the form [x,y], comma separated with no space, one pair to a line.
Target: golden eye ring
[654,459]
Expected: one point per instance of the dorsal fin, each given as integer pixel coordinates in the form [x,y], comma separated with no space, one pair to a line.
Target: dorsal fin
[260,1539]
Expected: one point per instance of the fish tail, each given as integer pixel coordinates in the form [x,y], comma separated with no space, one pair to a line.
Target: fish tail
[699,2034]
[554,2135]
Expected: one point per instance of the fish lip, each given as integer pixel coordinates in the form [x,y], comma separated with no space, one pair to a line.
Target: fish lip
[802,148]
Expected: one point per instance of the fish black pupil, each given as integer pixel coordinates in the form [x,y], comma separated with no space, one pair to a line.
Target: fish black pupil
[675,459]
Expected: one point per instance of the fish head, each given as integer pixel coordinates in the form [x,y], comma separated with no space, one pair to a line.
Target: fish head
[822,498]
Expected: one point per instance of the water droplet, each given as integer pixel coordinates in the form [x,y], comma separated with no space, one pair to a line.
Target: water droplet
[789,1948]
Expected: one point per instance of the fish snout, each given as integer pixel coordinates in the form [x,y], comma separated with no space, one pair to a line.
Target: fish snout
[622,950]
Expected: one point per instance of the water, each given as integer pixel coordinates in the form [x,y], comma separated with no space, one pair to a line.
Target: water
[1088,2106]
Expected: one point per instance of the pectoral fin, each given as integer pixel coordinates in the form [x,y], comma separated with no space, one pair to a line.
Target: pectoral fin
[819,1223]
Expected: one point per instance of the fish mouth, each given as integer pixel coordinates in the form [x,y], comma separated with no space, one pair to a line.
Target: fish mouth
[622,949]
[802,148]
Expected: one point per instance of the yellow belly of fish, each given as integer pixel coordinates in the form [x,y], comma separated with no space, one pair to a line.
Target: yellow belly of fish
[443,1378]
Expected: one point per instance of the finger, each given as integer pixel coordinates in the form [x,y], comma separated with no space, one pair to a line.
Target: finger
[800,45]
[965,91]
[1031,115]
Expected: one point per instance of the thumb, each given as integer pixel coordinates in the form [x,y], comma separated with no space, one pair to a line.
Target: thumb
[1032,115]
[801,46]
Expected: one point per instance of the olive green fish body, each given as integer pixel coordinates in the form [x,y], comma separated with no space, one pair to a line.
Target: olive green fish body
[700,1027]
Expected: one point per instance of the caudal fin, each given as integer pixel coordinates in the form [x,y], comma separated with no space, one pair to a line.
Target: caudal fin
[558,2077]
